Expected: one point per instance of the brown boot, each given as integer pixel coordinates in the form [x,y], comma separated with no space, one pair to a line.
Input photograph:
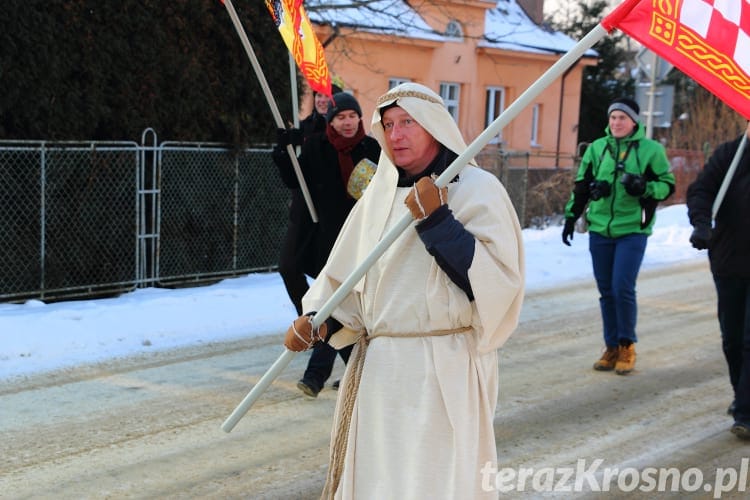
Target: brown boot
[625,359]
[608,360]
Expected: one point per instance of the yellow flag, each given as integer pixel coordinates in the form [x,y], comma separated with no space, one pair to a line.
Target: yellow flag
[295,28]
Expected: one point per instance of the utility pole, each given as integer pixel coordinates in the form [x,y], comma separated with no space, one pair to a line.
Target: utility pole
[651,94]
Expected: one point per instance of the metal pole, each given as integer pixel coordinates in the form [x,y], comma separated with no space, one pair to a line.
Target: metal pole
[295,97]
[651,98]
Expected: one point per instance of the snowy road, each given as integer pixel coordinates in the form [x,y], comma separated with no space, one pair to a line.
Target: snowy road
[149,427]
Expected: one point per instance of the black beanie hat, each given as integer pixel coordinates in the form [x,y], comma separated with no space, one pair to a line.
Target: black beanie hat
[342,101]
[627,106]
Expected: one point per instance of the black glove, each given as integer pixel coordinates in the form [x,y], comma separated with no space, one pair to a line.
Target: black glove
[568,230]
[599,189]
[701,237]
[635,185]
[285,136]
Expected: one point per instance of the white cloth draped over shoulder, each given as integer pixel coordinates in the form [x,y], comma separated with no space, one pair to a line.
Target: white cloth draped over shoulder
[422,420]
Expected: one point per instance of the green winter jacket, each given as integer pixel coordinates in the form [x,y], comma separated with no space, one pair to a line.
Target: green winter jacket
[607,159]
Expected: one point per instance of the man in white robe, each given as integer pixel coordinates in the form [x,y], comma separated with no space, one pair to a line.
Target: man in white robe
[415,410]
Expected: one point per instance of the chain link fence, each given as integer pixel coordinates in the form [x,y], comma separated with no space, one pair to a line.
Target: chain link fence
[539,194]
[84,219]
[87,219]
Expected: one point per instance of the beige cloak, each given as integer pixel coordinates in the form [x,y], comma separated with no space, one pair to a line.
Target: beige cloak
[421,421]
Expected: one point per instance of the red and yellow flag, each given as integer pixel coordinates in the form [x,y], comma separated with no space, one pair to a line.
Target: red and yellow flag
[708,40]
[295,28]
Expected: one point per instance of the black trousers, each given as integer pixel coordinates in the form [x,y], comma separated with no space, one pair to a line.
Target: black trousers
[323,356]
[321,362]
[291,268]
[734,321]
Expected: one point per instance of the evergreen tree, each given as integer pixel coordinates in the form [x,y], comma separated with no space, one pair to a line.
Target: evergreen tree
[93,70]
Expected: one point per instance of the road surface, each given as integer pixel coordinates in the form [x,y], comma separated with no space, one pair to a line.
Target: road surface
[149,427]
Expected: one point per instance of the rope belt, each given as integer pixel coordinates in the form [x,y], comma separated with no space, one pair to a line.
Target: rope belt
[350,388]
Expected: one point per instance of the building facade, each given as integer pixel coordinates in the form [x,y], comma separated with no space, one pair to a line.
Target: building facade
[479,55]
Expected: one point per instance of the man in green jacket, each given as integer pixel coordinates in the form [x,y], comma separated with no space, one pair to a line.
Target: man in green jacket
[622,177]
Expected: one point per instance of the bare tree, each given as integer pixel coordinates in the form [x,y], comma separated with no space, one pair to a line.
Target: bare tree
[704,121]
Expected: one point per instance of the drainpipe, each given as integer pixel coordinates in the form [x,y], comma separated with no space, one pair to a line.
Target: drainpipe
[559,115]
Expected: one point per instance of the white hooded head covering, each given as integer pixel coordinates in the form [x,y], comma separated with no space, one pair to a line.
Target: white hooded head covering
[427,108]
[373,209]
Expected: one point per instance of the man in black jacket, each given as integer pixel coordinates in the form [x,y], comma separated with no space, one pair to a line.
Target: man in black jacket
[314,123]
[328,162]
[728,245]
[294,262]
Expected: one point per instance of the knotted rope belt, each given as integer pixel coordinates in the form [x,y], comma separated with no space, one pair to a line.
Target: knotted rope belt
[350,388]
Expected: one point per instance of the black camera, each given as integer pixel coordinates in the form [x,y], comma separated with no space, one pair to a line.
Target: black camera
[635,185]
[599,189]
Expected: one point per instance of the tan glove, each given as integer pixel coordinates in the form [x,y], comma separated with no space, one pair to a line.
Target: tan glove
[301,336]
[425,197]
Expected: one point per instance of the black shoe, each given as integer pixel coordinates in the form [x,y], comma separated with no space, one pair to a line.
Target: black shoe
[336,385]
[741,430]
[308,388]
[732,408]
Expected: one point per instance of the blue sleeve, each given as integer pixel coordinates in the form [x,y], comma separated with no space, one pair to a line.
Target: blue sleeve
[450,244]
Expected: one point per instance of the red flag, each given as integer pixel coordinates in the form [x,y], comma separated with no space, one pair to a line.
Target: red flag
[708,40]
[292,21]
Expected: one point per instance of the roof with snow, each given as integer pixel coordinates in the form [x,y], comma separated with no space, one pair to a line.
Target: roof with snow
[389,17]
[506,27]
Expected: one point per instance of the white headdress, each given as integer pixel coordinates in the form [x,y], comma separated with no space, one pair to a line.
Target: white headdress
[427,108]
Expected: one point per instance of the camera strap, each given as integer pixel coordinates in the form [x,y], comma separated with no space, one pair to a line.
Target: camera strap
[620,164]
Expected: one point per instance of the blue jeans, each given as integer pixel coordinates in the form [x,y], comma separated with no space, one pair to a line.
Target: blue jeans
[733,304]
[616,263]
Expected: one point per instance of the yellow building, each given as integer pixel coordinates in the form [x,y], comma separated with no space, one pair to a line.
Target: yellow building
[479,55]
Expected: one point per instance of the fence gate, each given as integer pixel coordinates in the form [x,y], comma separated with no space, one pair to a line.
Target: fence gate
[85,219]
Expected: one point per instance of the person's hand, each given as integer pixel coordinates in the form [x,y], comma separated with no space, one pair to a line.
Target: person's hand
[425,197]
[635,185]
[701,237]
[599,190]
[282,137]
[568,230]
[286,136]
[301,336]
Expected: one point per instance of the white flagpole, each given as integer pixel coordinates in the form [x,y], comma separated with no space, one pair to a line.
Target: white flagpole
[728,177]
[557,69]
[271,102]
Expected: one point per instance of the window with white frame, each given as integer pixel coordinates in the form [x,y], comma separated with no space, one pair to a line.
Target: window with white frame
[495,105]
[394,82]
[535,116]
[450,92]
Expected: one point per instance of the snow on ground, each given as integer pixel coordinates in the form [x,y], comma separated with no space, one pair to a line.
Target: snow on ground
[37,337]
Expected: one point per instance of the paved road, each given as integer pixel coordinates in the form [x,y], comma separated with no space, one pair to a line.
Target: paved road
[149,427]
